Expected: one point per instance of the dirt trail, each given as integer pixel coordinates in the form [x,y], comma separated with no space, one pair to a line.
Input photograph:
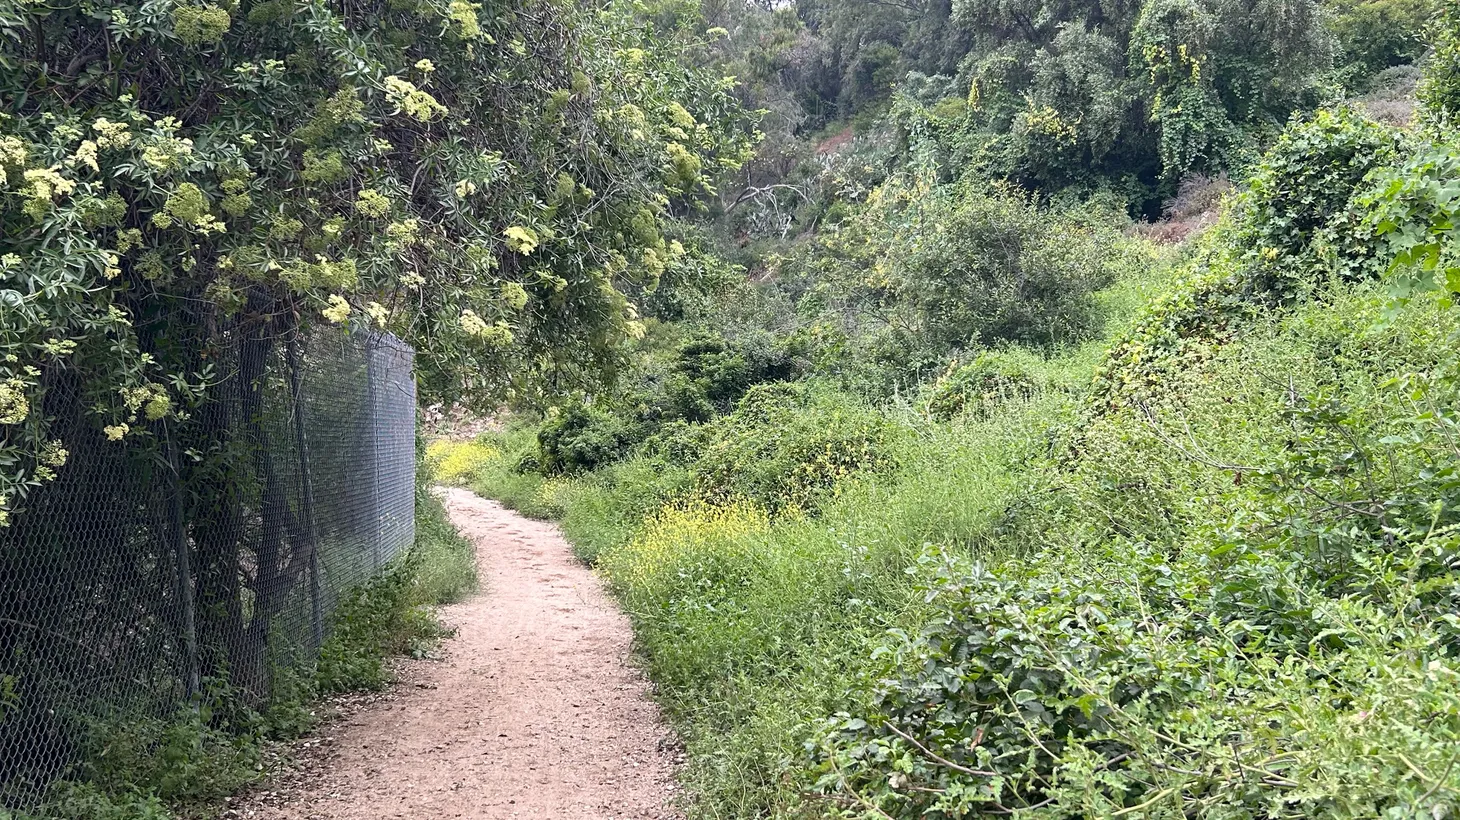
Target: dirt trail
[535,712]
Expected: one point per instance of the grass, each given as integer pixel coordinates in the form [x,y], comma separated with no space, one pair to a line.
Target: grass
[755,627]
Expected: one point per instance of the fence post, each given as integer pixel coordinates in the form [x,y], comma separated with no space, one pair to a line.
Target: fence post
[191,665]
[301,440]
[372,391]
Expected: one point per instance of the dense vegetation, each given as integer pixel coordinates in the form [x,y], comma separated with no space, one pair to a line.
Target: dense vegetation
[978,501]
[193,192]
[937,481]
[490,184]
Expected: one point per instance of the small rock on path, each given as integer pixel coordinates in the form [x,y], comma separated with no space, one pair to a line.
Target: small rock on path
[536,711]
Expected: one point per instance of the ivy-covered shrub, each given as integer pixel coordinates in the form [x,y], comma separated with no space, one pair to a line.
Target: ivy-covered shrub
[1303,222]
[787,444]
[579,438]
[1114,686]
[992,377]
[1295,224]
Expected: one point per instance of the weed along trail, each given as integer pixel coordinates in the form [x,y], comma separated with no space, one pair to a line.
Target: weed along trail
[535,711]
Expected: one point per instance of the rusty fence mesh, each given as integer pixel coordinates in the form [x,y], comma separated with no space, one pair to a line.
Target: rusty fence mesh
[209,552]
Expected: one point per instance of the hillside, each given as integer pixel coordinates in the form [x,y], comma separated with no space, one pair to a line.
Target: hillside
[979,503]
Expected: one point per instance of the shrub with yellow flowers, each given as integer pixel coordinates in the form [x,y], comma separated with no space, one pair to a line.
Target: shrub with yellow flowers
[254,170]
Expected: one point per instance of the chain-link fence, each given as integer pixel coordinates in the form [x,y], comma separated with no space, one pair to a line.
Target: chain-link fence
[203,551]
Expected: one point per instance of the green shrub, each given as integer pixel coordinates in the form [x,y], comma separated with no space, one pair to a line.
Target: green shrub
[707,378]
[1440,90]
[1245,601]
[1301,224]
[197,754]
[375,621]
[1294,224]
[81,801]
[991,378]
[993,267]
[579,438]
[1412,208]
[446,567]
[1379,34]
[787,445]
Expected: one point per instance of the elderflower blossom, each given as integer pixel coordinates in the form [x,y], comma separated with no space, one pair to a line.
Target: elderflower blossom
[473,324]
[338,310]
[412,100]
[53,454]
[14,406]
[111,134]
[48,184]
[520,239]
[377,312]
[13,151]
[115,432]
[86,155]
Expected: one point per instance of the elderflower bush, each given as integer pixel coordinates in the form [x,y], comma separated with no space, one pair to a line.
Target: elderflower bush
[335,175]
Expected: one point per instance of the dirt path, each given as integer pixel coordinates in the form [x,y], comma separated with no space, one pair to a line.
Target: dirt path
[535,712]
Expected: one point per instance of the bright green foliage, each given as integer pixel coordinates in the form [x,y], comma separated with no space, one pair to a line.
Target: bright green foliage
[995,267]
[1299,225]
[709,374]
[1415,207]
[1203,630]
[919,275]
[75,801]
[1217,582]
[579,438]
[787,447]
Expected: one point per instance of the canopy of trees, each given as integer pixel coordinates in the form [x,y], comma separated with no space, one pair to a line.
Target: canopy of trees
[493,183]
